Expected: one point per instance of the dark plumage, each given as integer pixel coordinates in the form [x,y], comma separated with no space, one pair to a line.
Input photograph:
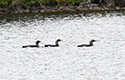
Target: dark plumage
[37,45]
[56,44]
[90,44]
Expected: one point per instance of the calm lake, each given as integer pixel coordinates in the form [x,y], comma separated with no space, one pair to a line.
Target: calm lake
[103,61]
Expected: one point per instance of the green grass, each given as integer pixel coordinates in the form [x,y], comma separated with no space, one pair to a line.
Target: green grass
[6,3]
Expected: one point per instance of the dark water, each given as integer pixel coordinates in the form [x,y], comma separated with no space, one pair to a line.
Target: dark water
[4,18]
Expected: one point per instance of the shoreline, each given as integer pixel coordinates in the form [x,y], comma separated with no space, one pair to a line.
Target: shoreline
[56,9]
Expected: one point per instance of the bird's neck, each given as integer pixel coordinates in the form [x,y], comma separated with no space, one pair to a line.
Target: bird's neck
[91,43]
[37,43]
[57,44]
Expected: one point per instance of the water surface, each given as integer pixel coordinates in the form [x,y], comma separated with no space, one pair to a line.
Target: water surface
[103,61]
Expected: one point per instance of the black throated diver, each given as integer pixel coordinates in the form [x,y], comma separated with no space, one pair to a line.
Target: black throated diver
[56,44]
[90,44]
[37,45]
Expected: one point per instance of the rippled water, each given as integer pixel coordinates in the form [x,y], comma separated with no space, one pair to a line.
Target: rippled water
[103,61]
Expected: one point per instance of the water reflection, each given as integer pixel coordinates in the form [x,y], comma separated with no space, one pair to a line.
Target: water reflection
[5,18]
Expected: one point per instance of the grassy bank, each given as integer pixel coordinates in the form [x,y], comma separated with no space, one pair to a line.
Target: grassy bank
[40,6]
[6,3]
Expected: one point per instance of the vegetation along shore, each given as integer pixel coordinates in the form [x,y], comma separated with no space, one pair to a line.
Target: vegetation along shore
[40,6]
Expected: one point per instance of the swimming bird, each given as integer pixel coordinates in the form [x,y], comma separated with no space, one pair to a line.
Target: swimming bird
[87,45]
[56,44]
[37,45]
